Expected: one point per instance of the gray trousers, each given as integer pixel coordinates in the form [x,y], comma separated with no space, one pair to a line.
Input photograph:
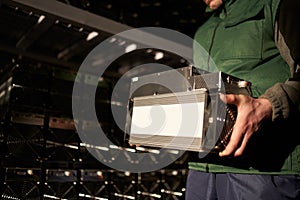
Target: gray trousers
[228,186]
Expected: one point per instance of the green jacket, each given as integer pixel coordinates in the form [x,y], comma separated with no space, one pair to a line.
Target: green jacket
[240,39]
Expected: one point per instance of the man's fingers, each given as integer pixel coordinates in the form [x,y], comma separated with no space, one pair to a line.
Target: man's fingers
[234,143]
[242,148]
[230,148]
[238,139]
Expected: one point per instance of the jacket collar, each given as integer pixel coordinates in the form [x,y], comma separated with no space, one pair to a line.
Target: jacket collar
[241,10]
[238,11]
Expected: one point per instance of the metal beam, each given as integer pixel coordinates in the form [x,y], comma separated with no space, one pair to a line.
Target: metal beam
[100,23]
[73,14]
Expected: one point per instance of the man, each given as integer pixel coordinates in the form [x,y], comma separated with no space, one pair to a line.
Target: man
[258,41]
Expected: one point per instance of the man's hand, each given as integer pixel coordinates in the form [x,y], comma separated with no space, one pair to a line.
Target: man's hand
[251,113]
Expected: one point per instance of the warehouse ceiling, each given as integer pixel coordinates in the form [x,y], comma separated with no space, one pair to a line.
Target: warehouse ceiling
[62,33]
[42,45]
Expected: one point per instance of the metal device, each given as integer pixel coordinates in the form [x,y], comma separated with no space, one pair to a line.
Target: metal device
[181,109]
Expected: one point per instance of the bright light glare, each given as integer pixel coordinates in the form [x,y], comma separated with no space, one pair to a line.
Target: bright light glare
[92,35]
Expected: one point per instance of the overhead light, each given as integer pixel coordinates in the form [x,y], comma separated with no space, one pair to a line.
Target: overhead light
[173,151]
[127,173]
[67,173]
[99,173]
[158,55]
[130,150]
[30,171]
[52,197]
[91,197]
[174,172]
[112,40]
[140,149]
[149,50]
[121,42]
[155,151]
[130,48]
[113,146]
[94,146]
[41,18]
[92,35]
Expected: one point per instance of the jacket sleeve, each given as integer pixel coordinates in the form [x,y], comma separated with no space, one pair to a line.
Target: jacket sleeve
[285,97]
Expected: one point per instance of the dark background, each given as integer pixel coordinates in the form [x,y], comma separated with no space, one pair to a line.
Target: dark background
[42,156]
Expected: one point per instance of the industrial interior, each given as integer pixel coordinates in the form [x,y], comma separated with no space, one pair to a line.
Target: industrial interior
[42,45]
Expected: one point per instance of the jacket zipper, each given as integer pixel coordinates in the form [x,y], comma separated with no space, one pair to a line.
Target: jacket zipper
[212,40]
